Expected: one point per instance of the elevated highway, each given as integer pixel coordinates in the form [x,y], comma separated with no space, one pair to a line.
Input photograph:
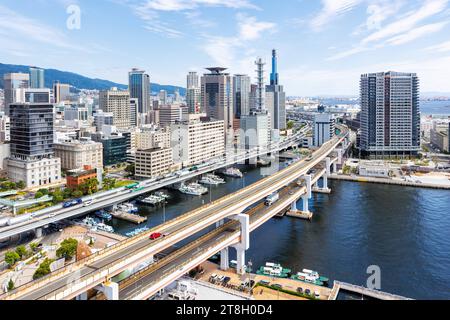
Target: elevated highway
[78,277]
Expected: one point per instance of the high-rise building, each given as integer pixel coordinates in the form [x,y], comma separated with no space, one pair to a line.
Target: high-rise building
[195,142]
[139,87]
[163,97]
[11,82]
[169,114]
[61,92]
[31,95]
[5,128]
[134,106]
[323,128]
[217,97]
[32,153]
[155,162]
[37,80]
[193,93]
[103,119]
[118,103]
[276,98]
[390,114]
[241,91]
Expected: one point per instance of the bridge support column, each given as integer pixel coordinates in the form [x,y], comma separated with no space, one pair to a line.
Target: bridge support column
[334,167]
[244,244]
[294,206]
[110,290]
[224,260]
[305,203]
[308,186]
[82,296]
[38,232]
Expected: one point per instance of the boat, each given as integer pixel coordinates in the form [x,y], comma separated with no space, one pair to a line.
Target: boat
[153,200]
[233,173]
[162,195]
[274,270]
[194,189]
[310,276]
[128,207]
[103,215]
[104,227]
[211,179]
[96,225]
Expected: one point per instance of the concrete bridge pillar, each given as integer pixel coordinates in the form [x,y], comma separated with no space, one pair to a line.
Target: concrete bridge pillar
[328,166]
[325,182]
[294,206]
[82,296]
[305,203]
[110,290]
[308,185]
[244,244]
[38,232]
[224,260]
[334,167]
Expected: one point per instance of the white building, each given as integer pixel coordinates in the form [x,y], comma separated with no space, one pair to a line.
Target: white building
[35,173]
[323,128]
[255,130]
[118,103]
[5,128]
[377,169]
[75,154]
[196,142]
[154,162]
[151,137]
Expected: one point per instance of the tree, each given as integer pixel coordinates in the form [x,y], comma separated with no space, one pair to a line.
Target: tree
[89,187]
[22,251]
[77,194]
[58,196]
[33,246]
[130,169]
[67,249]
[109,183]
[20,185]
[67,193]
[11,285]
[43,270]
[44,191]
[290,124]
[38,195]
[11,257]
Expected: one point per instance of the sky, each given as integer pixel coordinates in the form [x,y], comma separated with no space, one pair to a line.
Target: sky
[323,45]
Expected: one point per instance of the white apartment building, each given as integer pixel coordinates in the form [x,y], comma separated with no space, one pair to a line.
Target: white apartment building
[75,154]
[153,162]
[196,142]
[118,103]
[323,128]
[255,130]
[151,137]
[5,128]
[34,173]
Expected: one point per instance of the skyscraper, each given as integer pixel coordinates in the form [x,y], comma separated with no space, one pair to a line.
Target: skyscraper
[241,91]
[118,103]
[12,81]
[163,97]
[276,98]
[193,92]
[217,96]
[390,114]
[139,87]
[37,80]
[61,92]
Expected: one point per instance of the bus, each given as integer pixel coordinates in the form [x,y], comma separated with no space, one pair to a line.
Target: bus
[132,186]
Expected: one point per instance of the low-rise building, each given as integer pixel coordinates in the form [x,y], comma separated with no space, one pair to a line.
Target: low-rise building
[34,172]
[154,162]
[77,177]
[376,169]
[75,154]
[439,137]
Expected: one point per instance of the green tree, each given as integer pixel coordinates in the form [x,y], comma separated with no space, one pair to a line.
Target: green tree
[44,191]
[22,251]
[290,125]
[38,195]
[67,193]
[67,249]
[11,257]
[43,270]
[130,169]
[89,187]
[11,285]
[109,183]
[77,194]
[20,185]
[33,246]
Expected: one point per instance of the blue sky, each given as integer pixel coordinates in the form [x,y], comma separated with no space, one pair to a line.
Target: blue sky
[323,45]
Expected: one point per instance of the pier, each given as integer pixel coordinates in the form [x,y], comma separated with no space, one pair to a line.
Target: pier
[134,218]
[300,214]
[376,294]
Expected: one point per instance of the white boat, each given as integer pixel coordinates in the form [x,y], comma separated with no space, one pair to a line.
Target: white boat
[194,189]
[211,179]
[104,227]
[153,200]
[162,195]
[233,172]
[128,207]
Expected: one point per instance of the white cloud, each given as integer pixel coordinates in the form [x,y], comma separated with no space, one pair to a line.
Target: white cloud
[180,5]
[417,33]
[379,11]
[250,28]
[442,47]
[332,9]
[408,22]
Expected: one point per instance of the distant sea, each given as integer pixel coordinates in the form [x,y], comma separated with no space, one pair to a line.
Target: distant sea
[426,107]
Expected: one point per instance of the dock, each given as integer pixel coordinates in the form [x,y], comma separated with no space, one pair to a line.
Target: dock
[321,190]
[376,294]
[300,214]
[134,218]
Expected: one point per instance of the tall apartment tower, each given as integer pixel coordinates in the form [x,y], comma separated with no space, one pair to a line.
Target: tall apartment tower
[118,103]
[217,97]
[37,80]
[11,82]
[276,98]
[61,92]
[193,93]
[139,87]
[390,114]
[241,98]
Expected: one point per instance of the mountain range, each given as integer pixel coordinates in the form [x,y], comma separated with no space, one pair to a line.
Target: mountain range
[78,81]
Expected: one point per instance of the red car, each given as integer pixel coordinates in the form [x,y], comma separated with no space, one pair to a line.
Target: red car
[155,236]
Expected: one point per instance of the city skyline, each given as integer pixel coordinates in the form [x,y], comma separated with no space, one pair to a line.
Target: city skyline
[323,47]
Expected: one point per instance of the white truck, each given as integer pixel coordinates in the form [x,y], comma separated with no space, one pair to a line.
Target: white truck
[270,200]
